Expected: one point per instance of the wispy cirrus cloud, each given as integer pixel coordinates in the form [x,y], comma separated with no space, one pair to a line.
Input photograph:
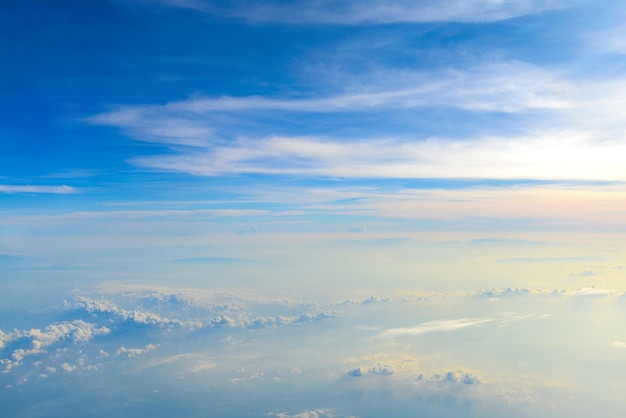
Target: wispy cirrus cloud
[113,215]
[436,326]
[351,12]
[450,325]
[571,132]
[508,87]
[593,292]
[561,155]
[14,189]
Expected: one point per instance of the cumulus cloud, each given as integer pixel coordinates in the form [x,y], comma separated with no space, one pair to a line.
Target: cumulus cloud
[408,372]
[495,293]
[138,316]
[37,342]
[384,364]
[313,413]
[384,370]
[408,367]
[132,352]
[214,310]
[78,332]
[458,376]
[374,299]
[136,312]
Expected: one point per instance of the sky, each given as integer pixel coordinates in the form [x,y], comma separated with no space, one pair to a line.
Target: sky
[312,208]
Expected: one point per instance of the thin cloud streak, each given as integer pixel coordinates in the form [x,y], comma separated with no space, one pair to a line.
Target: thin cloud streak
[572,133]
[14,189]
[509,87]
[558,155]
[138,214]
[435,326]
[352,12]
[449,325]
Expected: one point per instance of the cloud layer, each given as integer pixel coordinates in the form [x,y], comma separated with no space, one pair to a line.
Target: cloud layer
[567,137]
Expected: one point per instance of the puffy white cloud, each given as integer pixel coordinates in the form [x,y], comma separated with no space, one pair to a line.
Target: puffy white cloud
[455,376]
[496,293]
[407,367]
[293,355]
[222,321]
[225,310]
[137,316]
[314,317]
[381,370]
[20,353]
[374,299]
[132,352]
[68,368]
[4,337]
[313,413]
[76,332]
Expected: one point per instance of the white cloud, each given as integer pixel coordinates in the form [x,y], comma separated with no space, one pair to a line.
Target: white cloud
[475,365]
[20,353]
[406,368]
[500,86]
[132,352]
[351,12]
[382,370]
[313,413]
[449,325]
[139,214]
[608,36]
[558,155]
[191,311]
[593,292]
[458,376]
[68,368]
[12,189]
[576,132]
[618,344]
[78,332]
[436,326]
[136,316]
[124,220]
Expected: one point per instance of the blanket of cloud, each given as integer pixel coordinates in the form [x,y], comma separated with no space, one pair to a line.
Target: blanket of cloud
[144,350]
[312,208]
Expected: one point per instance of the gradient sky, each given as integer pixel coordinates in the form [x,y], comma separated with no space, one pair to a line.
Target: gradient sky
[337,178]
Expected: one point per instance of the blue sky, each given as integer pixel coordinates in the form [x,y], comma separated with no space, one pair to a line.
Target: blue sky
[326,204]
[163,101]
